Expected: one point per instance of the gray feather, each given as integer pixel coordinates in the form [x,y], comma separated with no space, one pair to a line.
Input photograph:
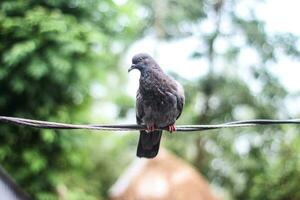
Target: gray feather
[159,101]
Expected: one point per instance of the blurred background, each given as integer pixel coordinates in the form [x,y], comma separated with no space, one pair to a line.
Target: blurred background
[67,61]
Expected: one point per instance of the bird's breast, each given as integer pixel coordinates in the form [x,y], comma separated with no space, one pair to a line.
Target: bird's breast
[160,110]
[159,99]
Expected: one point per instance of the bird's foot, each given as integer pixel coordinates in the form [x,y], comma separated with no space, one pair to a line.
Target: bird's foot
[150,128]
[172,128]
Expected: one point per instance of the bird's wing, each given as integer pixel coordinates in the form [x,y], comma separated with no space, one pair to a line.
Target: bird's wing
[139,108]
[180,98]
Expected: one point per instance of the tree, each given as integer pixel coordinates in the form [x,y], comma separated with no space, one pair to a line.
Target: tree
[51,52]
[247,162]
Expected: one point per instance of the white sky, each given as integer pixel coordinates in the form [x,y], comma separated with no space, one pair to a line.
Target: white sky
[279,15]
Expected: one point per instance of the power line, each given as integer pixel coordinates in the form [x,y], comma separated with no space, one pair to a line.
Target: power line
[130,127]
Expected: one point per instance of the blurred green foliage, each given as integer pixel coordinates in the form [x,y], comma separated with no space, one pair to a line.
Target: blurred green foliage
[247,163]
[53,52]
[50,54]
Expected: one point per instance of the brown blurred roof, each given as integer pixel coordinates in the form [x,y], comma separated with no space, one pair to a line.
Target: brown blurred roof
[163,178]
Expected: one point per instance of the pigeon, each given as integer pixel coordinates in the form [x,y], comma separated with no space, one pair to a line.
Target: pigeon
[159,103]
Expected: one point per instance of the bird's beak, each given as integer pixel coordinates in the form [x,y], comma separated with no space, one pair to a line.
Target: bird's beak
[133,66]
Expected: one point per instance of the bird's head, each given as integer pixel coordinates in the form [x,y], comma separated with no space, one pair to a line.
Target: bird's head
[142,62]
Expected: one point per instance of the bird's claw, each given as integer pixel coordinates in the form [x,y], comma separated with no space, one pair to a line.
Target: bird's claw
[172,128]
[150,128]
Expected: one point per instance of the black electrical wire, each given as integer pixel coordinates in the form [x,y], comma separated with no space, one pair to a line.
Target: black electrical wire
[130,127]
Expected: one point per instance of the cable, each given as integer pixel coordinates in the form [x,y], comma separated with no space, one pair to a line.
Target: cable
[130,127]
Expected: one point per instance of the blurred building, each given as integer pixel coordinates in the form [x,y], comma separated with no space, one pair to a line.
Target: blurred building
[9,189]
[163,178]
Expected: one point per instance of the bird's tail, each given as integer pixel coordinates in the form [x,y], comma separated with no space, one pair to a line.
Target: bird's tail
[148,144]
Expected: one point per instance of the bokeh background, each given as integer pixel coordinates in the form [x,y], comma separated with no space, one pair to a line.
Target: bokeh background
[67,60]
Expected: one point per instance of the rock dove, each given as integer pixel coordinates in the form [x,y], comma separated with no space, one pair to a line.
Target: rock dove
[159,102]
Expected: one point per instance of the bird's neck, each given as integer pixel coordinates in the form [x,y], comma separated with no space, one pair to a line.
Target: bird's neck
[145,74]
[151,72]
[150,82]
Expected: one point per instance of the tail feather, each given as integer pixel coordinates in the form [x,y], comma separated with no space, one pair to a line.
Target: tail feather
[148,145]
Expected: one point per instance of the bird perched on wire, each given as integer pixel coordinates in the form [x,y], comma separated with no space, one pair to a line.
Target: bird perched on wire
[159,103]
